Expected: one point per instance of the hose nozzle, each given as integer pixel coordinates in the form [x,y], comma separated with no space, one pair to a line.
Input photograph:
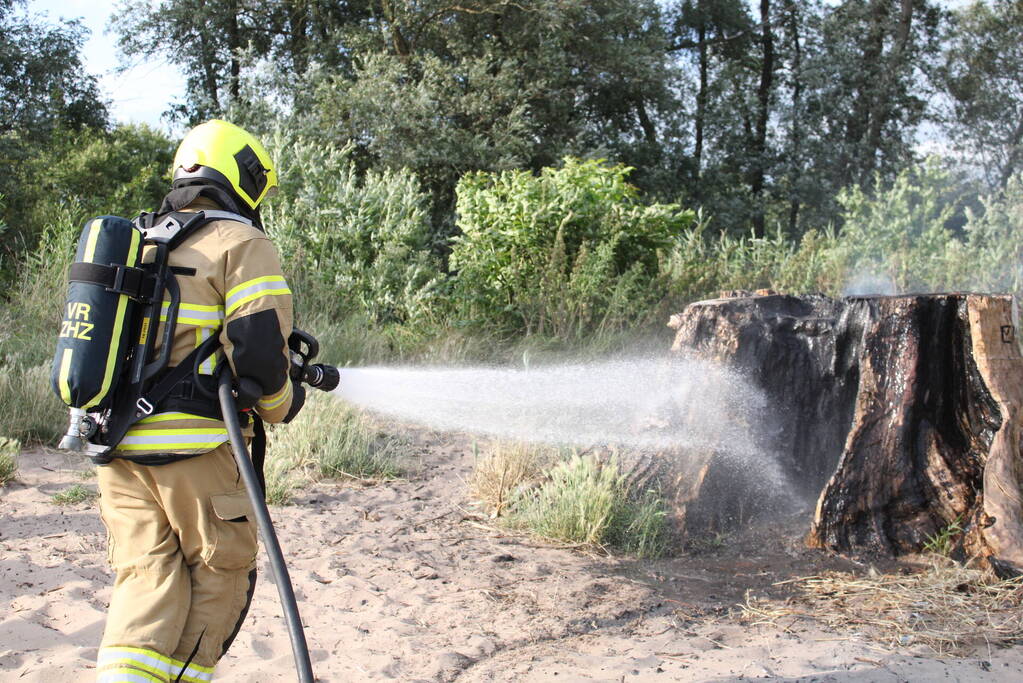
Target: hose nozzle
[322,376]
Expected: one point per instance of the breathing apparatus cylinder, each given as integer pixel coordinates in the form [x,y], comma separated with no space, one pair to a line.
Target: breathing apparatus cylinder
[94,334]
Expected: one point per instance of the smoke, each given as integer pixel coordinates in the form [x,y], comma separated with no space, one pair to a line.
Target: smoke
[870,282]
[635,403]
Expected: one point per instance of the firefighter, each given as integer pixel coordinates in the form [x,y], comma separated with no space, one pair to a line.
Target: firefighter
[181,534]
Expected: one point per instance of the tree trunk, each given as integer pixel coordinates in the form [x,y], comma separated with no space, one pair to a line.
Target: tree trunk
[763,113]
[901,415]
[795,129]
[881,108]
[234,47]
[298,24]
[701,106]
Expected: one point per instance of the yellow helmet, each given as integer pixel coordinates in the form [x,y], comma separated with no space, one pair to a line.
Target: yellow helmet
[225,154]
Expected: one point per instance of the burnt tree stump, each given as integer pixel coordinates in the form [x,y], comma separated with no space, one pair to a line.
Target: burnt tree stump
[902,413]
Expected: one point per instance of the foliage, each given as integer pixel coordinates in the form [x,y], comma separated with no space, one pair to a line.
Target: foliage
[42,81]
[73,495]
[982,73]
[351,244]
[74,176]
[565,253]
[587,501]
[9,450]
[900,232]
[28,327]
[993,254]
[45,97]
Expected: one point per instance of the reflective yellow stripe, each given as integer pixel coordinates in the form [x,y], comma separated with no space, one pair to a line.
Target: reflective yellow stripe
[277,399]
[167,417]
[195,314]
[148,661]
[268,285]
[257,295]
[115,336]
[193,673]
[255,281]
[189,431]
[203,438]
[208,366]
[90,242]
[65,371]
[172,447]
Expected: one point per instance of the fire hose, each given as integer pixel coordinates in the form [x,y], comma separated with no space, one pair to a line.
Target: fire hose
[233,392]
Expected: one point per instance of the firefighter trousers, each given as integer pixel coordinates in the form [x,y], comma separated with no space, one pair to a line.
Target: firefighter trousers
[182,541]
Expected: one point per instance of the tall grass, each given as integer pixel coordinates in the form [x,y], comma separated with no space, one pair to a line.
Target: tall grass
[29,411]
[328,440]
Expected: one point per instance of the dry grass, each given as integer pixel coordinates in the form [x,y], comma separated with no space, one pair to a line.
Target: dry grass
[9,449]
[947,608]
[505,469]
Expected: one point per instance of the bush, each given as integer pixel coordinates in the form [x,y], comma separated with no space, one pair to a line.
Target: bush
[566,253]
[351,243]
[87,173]
[899,233]
[992,257]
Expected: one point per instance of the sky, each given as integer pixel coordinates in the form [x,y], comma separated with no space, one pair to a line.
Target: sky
[140,94]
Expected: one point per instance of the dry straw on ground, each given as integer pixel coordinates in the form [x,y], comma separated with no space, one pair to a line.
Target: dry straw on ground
[947,608]
[502,470]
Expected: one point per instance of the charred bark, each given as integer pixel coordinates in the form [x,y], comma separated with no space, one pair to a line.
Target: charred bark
[904,413]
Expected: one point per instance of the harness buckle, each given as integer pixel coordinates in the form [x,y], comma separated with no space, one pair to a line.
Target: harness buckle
[144,406]
[134,290]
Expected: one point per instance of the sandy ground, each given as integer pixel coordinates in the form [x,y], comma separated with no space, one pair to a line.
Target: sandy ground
[403,582]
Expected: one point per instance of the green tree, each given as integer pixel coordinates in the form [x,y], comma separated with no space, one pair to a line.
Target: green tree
[45,96]
[43,83]
[982,72]
[866,90]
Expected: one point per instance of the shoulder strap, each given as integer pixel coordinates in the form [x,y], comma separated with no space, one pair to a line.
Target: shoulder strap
[172,228]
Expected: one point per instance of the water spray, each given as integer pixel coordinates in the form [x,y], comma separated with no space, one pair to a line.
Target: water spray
[635,403]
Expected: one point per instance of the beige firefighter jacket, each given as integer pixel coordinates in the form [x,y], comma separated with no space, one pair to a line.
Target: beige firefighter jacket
[239,293]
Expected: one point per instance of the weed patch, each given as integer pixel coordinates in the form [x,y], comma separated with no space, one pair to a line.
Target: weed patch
[582,499]
[74,494]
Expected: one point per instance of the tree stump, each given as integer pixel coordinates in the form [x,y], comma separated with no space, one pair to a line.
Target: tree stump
[903,413]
